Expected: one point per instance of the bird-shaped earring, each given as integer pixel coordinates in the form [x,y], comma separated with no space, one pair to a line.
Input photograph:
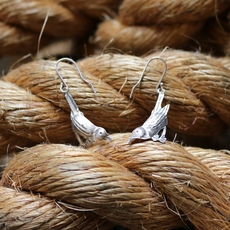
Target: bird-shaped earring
[82,127]
[158,119]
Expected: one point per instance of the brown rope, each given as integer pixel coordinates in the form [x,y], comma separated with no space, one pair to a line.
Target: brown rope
[217,161]
[190,185]
[23,210]
[225,62]
[10,142]
[15,40]
[31,15]
[31,116]
[142,39]
[97,9]
[194,83]
[201,79]
[85,179]
[89,181]
[167,11]
[219,32]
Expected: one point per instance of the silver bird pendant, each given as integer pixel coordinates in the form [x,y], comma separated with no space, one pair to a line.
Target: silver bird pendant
[82,127]
[154,124]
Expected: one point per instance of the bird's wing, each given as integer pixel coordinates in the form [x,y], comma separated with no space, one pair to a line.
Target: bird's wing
[158,118]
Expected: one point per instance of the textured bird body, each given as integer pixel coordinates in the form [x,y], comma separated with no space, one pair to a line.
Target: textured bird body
[154,124]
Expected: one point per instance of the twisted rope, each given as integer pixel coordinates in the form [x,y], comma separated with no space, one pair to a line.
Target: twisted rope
[145,185]
[87,180]
[175,27]
[167,11]
[197,87]
[24,210]
[31,15]
[11,37]
[21,22]
[96,9]
[142,39]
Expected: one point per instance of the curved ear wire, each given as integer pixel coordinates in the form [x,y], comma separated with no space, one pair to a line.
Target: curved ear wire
[142,75]
[64,87]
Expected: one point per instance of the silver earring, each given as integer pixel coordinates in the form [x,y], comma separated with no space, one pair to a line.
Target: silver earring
[82,127]
[158,119]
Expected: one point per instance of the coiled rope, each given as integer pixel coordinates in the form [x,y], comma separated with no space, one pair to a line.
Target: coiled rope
[168,177]
[32,106]
[148,185]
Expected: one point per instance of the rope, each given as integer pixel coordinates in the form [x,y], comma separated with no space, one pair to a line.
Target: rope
[165,176]
[12,36]
[198,106]
[142,39]
[166,11]
[146,185]
[31,15]
[175,25]
[24,210]
[96,9]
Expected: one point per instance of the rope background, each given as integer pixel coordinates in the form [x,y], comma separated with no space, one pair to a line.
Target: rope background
[47,182]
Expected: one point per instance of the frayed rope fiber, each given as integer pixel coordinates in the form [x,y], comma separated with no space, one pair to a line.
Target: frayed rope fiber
[171,185]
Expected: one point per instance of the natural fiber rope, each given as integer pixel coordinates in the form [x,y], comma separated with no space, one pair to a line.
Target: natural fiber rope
[31,15]
[169,179]
[15,40]
[219,32]
[32,117]
[10,142]
[217,161]
[90,181]
[24,210]
[225,62]
[22,21]
[97,9]
[140,40]
[64,15]
[188,177]
[154,11]
[190,77]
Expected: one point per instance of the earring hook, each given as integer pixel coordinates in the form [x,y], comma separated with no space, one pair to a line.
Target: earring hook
[63,86]
[142,75]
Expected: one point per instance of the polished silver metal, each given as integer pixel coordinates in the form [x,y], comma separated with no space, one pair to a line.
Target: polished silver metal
[158,119]
[82,127]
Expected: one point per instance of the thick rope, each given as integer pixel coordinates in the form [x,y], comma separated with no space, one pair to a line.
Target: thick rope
[194,83]
[24,210]
[32,117]
[123,34]
[167,11]
[31,15]
[10,142]
[15,40]
[140,40]
[90,181]
[217,161]
[87,180]
[219,32]
[225,62]
[96,9]
[189,186]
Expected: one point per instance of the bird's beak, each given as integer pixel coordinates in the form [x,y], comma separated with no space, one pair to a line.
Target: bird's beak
[131,139]
[108,138]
